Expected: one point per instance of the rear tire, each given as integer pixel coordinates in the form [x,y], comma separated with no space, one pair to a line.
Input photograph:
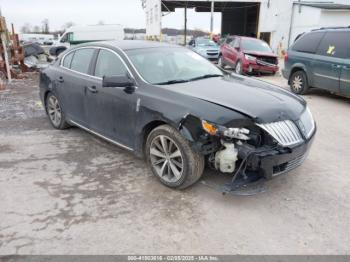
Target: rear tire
[298,83]
[55,112]
[171,158]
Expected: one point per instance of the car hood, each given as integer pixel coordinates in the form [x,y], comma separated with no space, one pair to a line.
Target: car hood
[207,48]
[260,53]
[256,99]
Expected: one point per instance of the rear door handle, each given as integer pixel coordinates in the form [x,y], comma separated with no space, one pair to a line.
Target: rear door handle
[60,79]
[92,89]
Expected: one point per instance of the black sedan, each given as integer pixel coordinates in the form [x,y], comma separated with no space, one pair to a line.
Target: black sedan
[173,107]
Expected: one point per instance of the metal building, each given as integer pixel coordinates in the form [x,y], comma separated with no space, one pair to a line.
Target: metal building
[275,21]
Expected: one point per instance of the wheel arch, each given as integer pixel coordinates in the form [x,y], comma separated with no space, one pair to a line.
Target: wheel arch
[299,67]
[147,129]
[46,94]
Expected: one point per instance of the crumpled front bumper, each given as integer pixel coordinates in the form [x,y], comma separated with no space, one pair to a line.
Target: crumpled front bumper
[279,161]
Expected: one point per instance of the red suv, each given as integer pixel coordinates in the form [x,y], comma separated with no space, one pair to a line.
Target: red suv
[248,55]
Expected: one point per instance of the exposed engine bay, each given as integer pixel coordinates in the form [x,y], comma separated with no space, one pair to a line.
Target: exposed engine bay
[244,150]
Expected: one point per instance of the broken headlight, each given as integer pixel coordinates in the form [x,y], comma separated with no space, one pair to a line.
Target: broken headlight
[232,133]
[307,123]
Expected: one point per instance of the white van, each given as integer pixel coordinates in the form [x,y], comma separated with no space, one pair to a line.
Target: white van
[82,34]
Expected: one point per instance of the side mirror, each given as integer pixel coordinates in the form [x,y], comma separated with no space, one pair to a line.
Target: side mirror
[119,81]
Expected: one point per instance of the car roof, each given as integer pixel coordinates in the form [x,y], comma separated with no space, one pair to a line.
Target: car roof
[129,44]
[244,37]
[327,29]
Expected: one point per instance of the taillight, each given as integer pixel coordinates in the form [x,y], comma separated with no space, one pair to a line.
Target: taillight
[286,57]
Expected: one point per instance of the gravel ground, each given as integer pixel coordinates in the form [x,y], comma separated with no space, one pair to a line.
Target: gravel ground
[68,192]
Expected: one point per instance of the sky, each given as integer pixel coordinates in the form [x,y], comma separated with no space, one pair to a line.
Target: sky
[87,12]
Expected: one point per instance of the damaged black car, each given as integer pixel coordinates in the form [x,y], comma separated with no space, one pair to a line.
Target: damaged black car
[177,110]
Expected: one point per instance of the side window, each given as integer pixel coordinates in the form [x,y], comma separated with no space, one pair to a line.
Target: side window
[229,40]
[68,60]
[308,43]
[235,43]
[68,37]
[81,60]
[64,38]
[109,64]
[335,44]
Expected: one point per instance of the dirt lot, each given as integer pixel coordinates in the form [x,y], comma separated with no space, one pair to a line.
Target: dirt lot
[68,192]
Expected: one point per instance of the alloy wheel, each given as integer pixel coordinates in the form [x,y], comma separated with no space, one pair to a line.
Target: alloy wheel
[54,110]
[297,83]
[166,159]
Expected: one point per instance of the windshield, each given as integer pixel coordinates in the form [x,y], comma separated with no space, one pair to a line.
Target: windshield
[205,42]
[255,45]
[170,65]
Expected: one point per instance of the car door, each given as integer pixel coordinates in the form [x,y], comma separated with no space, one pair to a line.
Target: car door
[345,80]
[329,61]
[72,78]
[345,73]
[225,49]
[111,110]
[232,52]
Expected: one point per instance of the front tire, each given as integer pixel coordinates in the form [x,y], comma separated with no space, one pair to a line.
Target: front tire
[171,158]
[55,113]
[298,83]
[239,68]
[221,63]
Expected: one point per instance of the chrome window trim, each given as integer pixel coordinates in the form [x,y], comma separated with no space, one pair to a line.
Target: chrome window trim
[101,136]
[345,80]
[95,47]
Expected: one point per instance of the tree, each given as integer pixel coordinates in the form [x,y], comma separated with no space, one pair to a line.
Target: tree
[36,29]
[45,26]
[67,25]
[26,28]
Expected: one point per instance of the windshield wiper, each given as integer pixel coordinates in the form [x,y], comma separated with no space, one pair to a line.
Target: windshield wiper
[205,76]
[170,82]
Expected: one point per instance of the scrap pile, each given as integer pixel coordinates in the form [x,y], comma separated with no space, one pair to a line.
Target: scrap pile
[12,55]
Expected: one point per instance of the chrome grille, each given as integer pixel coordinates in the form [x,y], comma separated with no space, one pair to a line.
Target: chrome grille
[291,165]
[285,132]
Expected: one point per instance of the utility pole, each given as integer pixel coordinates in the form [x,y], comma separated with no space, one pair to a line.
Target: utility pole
[185,28]
[212,19]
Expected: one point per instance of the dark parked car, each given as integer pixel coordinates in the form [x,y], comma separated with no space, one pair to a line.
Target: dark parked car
[178,110]
[248,55]
[320,58]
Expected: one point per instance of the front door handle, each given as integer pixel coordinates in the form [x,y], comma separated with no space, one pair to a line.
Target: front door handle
[346,67]
[92,89]
[336,66]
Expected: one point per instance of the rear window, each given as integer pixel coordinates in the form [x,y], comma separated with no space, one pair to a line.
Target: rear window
[335,44]
[308,43]
[81,60]
[67,60]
